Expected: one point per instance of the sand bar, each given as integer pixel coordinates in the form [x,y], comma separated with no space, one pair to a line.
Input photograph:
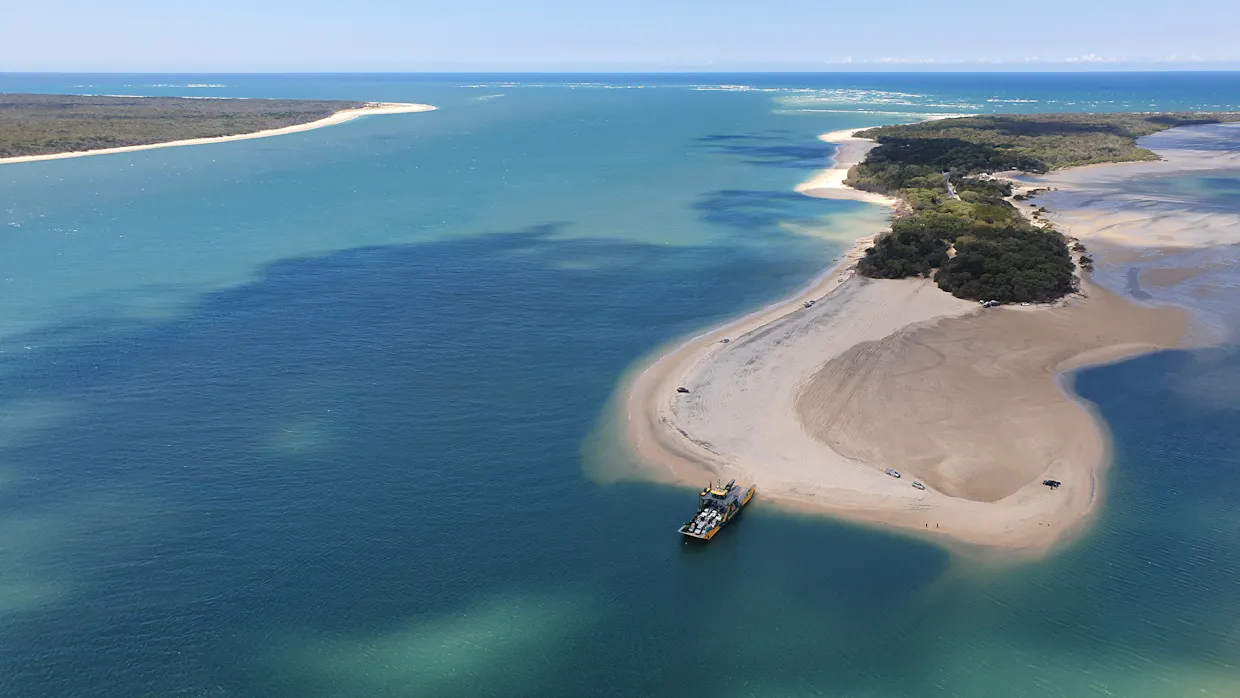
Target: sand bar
[339,117]
[813,403]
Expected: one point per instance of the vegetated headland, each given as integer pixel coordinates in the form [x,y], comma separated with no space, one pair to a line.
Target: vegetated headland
[888,364]
[958,223]
[44,126]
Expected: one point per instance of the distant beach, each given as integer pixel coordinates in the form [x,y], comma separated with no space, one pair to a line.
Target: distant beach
[813,398]
[339,117]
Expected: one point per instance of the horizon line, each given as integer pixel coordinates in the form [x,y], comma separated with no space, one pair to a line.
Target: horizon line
[619,71]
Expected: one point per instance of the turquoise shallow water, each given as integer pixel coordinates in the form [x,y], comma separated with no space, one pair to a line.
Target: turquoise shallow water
[305,416]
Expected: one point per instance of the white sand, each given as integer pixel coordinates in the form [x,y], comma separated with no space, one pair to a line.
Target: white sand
[339,117]
[829,184]
[812,404]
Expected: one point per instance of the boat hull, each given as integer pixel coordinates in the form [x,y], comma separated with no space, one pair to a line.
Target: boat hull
[706,534]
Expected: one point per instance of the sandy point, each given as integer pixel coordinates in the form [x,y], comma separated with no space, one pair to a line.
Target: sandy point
[814,398]
[340,117]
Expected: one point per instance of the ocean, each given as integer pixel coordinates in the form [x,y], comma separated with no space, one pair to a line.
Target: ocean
[316,415]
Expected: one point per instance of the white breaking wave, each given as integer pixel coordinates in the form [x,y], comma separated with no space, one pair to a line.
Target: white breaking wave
[562,85]
[920,114]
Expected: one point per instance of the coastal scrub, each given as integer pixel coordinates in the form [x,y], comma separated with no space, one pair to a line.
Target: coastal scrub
[958,224]
[32,124]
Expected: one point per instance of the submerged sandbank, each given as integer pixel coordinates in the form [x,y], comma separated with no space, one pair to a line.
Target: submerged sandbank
[339,117]
[813,403]
[1108,203]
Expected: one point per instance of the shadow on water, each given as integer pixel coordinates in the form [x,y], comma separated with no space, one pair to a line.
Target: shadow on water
[771,149]
[360,475]
[750,209]
[360,447]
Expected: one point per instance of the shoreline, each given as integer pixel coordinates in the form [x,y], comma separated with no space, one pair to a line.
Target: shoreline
[829,183]
[824,460]
[339,117]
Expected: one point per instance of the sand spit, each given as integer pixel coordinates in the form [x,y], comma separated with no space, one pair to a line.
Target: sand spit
[813,403]
[339,117]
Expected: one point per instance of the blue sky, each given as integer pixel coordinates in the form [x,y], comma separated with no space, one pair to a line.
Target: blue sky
[689,35]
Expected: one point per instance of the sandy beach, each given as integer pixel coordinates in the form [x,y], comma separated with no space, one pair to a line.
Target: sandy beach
[813,403]
[339,117]
[829,183]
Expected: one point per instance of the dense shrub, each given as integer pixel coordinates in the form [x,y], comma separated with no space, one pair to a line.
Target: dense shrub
[1008,265]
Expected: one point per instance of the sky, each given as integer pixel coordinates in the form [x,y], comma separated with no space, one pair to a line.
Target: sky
[616,35]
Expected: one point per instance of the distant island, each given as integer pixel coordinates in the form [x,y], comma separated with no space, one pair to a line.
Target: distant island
[958,225]
[36,126]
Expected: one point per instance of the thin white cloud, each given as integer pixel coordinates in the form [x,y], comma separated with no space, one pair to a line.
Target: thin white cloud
[900,59]
[1183,59]
[1092,58]
[1080,61]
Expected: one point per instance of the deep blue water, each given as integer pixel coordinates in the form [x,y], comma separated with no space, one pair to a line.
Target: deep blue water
[305,416]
